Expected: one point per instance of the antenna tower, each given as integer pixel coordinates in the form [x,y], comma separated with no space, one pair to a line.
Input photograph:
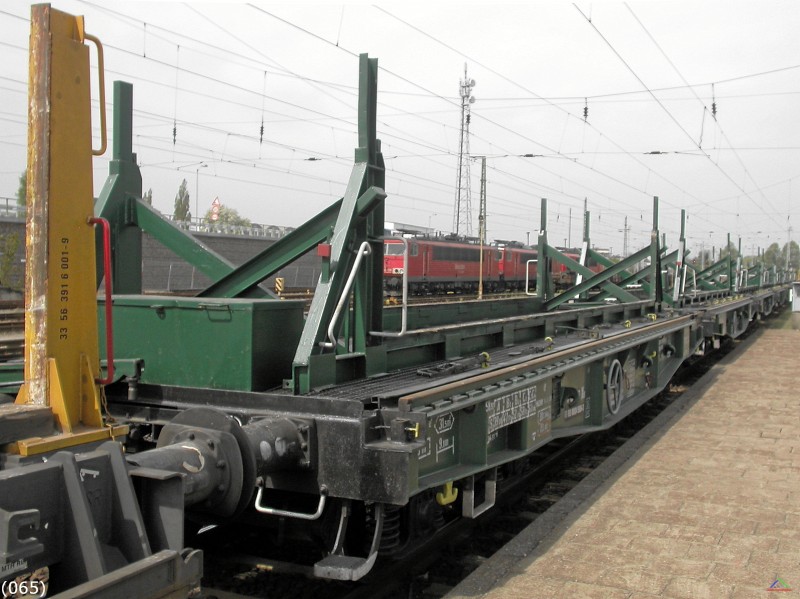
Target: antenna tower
[462,215]
[625,230]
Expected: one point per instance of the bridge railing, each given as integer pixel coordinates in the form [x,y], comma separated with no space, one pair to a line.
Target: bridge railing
[197,225]
[10,209]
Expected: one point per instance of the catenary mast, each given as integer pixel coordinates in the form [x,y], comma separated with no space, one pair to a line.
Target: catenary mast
[462,214]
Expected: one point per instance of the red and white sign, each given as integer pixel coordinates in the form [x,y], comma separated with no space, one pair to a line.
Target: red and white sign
[215,205]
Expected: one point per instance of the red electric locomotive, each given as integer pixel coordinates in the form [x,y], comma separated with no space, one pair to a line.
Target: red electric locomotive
[438,266]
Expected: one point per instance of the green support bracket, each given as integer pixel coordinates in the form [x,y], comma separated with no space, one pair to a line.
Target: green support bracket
[544,281]
[120,203]
[196,253]
[244,280]
[586,245]
[754,276]
[357,238]
[594,280]
[738,261]
[629,276]
[672,295]
[679,262]
[547,254]
[117,198]
[600,259]
[587,254]
[720,276]
[708,279]
[657,290]
[638,277]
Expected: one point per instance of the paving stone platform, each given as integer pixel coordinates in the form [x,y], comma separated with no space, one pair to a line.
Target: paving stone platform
[706,506]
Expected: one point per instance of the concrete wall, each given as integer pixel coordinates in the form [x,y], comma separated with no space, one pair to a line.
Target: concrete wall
[164,271]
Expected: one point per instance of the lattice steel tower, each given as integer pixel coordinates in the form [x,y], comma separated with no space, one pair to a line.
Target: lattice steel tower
[462,214]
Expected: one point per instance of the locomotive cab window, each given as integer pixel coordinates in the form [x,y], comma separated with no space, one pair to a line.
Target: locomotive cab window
[393,249]
[414,249]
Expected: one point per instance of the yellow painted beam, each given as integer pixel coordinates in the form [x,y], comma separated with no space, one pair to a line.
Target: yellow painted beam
[61,333]
[39,445]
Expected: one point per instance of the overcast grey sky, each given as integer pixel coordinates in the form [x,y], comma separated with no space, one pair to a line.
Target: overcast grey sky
[217,69]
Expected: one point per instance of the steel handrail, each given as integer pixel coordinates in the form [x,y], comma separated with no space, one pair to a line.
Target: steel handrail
[404,305]
[363,250]
[287,514]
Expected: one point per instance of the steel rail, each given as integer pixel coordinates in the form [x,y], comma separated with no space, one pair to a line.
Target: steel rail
[648,331]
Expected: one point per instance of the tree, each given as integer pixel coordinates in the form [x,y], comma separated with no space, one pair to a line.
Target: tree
[228,216]
[148,197]
[703,259]
[773,256]
[22,190]
[794,256]
[9,243]
[182,212]
[731,249]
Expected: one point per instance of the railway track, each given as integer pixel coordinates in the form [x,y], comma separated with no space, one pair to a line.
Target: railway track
[453,552]
[12,330]
[451,298]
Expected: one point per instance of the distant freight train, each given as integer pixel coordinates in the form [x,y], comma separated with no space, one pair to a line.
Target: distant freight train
[438,266]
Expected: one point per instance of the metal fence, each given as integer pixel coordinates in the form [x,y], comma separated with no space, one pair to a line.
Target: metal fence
[181,276]
[10,209]
[197,225]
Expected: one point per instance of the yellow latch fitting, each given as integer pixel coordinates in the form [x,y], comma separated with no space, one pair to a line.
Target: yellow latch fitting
[447,495]
[414,430]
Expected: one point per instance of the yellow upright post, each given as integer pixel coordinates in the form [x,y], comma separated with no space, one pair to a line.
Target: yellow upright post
[61,347]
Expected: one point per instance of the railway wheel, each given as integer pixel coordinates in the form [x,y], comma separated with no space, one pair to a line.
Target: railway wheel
[614,387]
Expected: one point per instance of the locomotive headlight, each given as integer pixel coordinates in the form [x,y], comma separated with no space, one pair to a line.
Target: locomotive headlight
[397,271]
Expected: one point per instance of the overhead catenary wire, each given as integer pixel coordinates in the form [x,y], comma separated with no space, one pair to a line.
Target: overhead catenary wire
[408,172]
[175,112]
[507,129]
[263,94]
[665,109]
[188,71]
[637,92]
[516,83]
[617,180]
[713,104]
